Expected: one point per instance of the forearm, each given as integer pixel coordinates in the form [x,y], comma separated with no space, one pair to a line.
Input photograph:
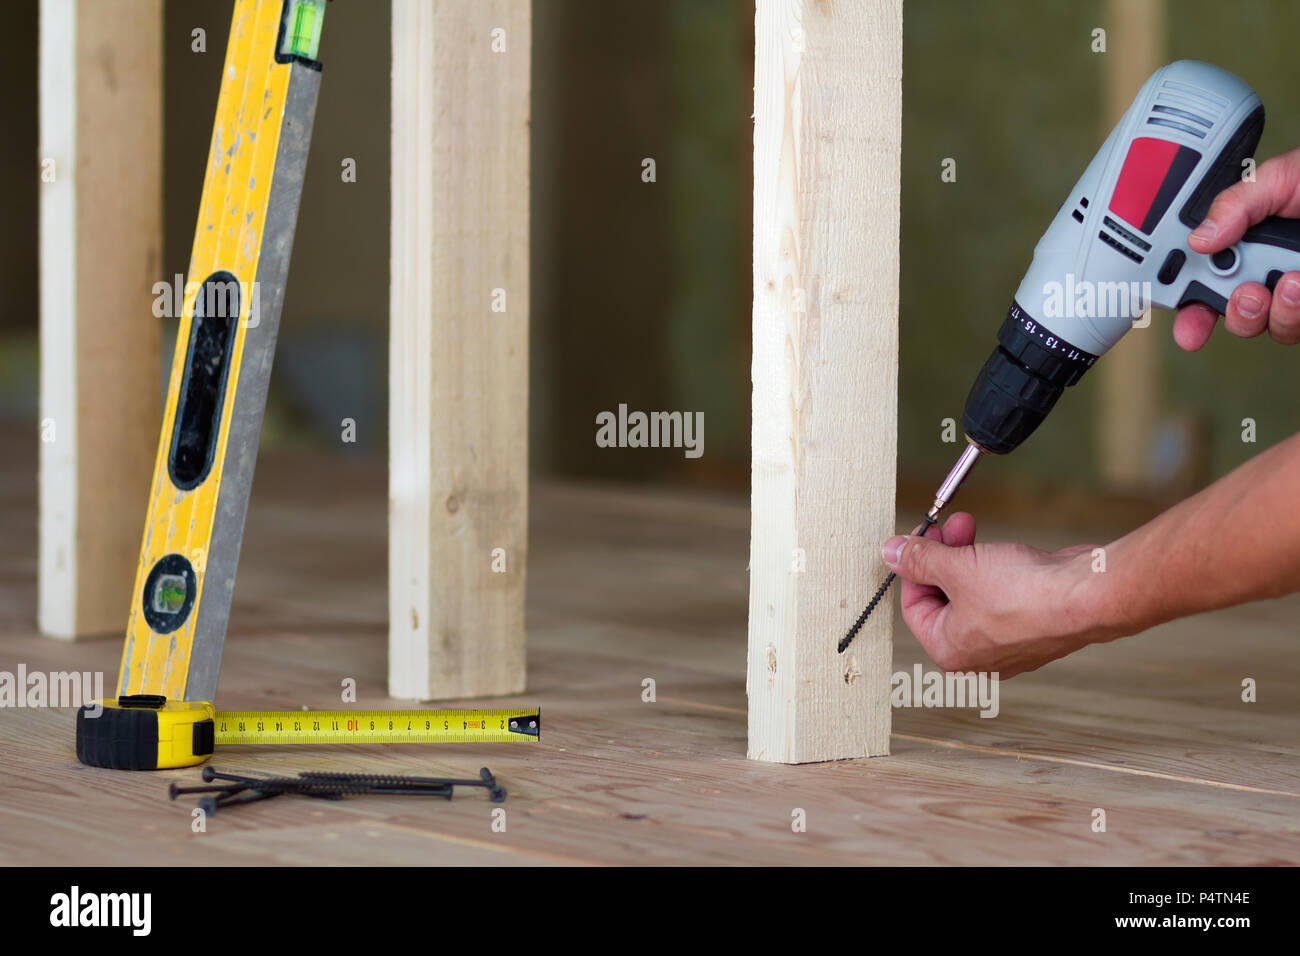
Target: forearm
[1238,540]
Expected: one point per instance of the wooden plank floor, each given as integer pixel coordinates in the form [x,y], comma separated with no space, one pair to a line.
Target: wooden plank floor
[626,585]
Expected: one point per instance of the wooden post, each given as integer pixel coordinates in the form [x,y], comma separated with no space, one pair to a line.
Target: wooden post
[100,255]
[458,360]
[1132,378]
[827,146]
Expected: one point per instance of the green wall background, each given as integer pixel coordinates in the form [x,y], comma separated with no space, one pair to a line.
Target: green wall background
[641,291]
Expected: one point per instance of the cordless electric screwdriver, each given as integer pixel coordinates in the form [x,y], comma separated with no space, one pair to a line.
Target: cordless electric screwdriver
[1117,247]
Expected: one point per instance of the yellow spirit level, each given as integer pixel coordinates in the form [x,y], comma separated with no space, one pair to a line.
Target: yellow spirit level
[224,348]
[148,732]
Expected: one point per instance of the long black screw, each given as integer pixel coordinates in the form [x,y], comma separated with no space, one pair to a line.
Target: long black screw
[268,784]
[240,788]
[485,779]
[847,639]
[175,790]
[210,804]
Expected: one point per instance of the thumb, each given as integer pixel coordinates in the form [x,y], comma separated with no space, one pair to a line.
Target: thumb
[920,560]
[1275,190]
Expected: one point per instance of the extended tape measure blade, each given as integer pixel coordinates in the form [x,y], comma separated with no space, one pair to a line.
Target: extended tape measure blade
[379,726]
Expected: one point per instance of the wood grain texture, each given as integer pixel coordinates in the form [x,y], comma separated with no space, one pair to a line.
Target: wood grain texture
[458,388]
[1132,379]
[827,142]
[629,585]
[100,250]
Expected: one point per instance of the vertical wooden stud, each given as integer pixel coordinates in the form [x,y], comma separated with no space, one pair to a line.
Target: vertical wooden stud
[458,360]
[827,163]
[100,255]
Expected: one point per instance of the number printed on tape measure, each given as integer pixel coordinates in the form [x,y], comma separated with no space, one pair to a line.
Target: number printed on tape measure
[379,727]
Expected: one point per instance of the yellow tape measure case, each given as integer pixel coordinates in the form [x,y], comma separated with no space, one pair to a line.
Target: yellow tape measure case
[145,732]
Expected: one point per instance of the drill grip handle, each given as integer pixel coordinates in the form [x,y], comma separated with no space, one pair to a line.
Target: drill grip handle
[1267,251]
[1276,231]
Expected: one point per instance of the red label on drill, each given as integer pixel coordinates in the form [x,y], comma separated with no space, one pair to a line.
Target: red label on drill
[1153,172]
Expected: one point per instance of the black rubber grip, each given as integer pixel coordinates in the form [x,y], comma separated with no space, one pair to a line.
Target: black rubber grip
[1275,231]
[1225,170]
[1200,292]
[205,737]
[120,738]
[1006,403]
[1055,365]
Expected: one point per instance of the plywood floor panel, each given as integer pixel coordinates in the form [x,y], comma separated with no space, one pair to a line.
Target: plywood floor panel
[628,584]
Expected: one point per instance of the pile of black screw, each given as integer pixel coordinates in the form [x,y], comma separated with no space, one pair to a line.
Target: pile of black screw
[237,788]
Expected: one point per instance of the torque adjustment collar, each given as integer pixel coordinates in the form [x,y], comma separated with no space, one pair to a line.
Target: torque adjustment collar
[1020,382]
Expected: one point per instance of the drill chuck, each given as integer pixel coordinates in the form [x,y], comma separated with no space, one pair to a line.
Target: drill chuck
[1019,384]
